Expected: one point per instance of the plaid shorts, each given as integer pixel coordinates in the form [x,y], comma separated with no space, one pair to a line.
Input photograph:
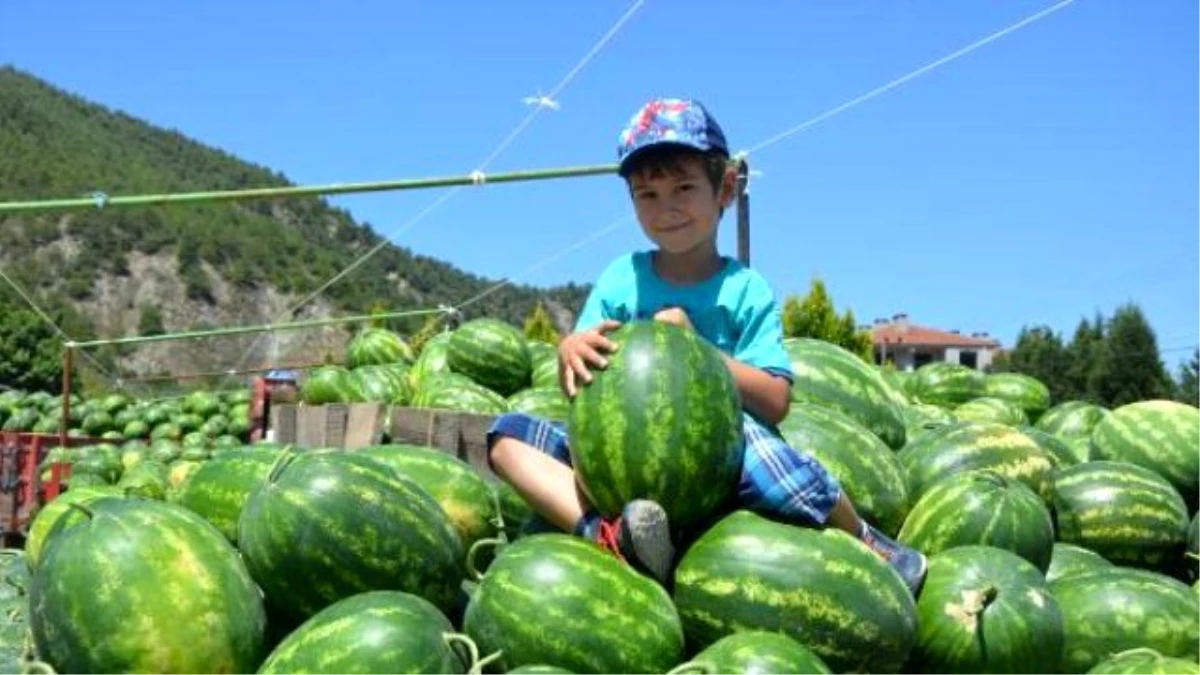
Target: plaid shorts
[776,478]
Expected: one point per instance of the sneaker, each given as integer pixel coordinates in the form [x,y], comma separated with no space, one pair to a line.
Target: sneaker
[911,564]
[641,536]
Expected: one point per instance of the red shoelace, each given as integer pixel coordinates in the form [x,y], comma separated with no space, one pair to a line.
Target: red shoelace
[609,537]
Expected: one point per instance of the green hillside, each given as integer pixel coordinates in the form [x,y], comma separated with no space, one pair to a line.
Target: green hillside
[55,144]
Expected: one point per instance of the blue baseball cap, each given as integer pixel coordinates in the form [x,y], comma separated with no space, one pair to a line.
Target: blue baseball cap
[281,375]
[674,121]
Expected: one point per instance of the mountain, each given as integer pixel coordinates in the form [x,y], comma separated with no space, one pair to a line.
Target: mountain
[126,271]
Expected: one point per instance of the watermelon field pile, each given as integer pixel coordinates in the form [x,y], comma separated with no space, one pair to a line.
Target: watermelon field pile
[1061,536]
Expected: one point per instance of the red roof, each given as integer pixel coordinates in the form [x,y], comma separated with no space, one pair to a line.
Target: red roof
[926,337]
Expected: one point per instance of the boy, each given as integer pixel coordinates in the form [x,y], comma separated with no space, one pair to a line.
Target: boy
[675,160]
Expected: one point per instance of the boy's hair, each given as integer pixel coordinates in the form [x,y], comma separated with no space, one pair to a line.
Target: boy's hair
[668,157]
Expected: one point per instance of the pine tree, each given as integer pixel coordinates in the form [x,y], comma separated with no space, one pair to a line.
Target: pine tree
[1186,388]
[1039,353]
[1082,356]
[538,326]
[1129,369]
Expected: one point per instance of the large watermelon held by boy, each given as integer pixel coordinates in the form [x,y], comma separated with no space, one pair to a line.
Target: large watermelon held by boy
[663,421]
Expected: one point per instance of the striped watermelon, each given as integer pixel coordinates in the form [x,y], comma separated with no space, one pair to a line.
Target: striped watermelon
[755,651]
[663,421]
[821,587]
[1063,454]
[986,610]
[220,488]
[457,392]
[545,374]
[541,351]
[1027,393]
[1071,419]
[920,417]
[1069,560]
[48,518]
[372,632]
[1126,513]
[946,384]
[377,531]
[539,669]
[377,346]
[867,469]
[431,363]
[1111,610]
[828,375]
[461,492]
[1145,661]
[548,402]
[387,383]
[145,586]
[556,598]
[492,353]
[1192,555]
[1163,436]
[328,384]
[981,507]
[975,445]
[988,409]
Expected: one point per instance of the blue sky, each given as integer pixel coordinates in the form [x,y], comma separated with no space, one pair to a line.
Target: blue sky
[1049,174]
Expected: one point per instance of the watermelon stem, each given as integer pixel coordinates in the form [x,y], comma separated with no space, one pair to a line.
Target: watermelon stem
[37,667]
[476,575]
[280,464]
[461,639]
[82,509]
[486,661]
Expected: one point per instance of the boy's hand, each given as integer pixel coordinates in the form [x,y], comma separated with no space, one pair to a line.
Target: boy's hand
[674,315]
[577,350]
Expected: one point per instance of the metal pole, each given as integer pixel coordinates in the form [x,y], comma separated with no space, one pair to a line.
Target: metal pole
[66,393]
[743,211]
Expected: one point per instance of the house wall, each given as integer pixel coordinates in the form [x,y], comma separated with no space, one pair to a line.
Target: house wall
[905,357]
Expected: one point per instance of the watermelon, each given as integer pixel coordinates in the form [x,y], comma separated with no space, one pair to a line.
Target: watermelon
[539,669]
[975,445]
[383,384]
[545,371]
[462,493]
[1071,419]
[1163,436]
[1069,560]
[202,404]
[431,363]
[1146,661]
[461,394]
[372,632]
[492,353]
[1192,556]
[376,346]
[147,480]
[43,525]
[755,651]
[987,409]
[556,598]
[145,586]
[547,402]
[1126,513]
[328,384]
[541,351]
[663,421]
[947,384]
[823,588]
[1027,393]
[1062,453]
[218,490]
[866,468]
[981,507]
[828,375]
[377,531]
[1110,610]
[919,417]
[986,610]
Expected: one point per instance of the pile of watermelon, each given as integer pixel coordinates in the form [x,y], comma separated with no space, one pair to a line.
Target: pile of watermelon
[198,418]
[1061,538]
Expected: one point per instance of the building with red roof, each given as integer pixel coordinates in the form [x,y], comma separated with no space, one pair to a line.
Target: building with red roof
[909,346]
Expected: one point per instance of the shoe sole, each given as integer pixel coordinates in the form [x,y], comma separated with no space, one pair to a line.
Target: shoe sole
[648,536]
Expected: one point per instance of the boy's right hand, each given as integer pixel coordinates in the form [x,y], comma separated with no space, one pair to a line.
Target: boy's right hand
[577,350]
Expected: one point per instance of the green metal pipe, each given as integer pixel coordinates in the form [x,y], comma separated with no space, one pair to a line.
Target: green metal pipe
[242,330]
[101,200]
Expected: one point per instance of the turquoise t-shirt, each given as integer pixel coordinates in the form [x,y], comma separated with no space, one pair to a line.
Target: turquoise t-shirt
[735,309]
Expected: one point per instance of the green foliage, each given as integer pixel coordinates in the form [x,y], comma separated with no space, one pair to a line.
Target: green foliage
[433,325]
[814,316]
[538,326]
[30,351]
[1110,362]
[56,145]
[1186,388]
[150,321]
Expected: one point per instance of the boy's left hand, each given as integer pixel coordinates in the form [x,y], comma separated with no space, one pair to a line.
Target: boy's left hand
[674,315]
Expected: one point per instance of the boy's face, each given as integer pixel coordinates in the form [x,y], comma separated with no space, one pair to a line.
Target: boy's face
[677,206]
